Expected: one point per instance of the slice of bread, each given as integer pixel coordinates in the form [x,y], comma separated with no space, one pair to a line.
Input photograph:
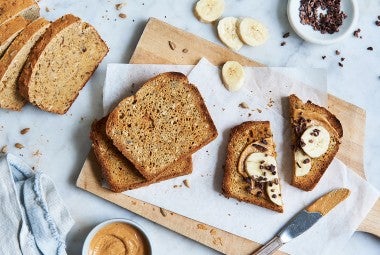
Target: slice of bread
[9,30]
[303,116]
[165,121]
[245,140]
[61,63]
[13,60]
[118,172]
[11,8]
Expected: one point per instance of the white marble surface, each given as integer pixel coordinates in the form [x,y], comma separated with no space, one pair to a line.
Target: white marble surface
[63,140]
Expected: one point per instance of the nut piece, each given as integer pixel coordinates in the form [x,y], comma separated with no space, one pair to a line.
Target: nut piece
[244,105]
[163,212]
[19,145]
[122,15]
[187,183]
[4,149]
[119,6]
[24,131]
[172,45]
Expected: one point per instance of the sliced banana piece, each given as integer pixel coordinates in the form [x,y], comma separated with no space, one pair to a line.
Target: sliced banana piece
[302,163]
[227,31]
[261,167]
[209,10]
[274,193]
[233,75]
[252,32]
[315,141]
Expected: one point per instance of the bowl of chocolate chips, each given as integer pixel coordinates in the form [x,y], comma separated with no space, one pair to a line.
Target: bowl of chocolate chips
[323,21]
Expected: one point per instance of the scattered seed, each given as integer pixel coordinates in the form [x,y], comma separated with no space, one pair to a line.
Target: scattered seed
[342,59]
[24,131]
[163,212]
[244,105]
[172,45]
[185,50]
[283,43]
[323,57]
[19,145]
[340,64]
[286,35]
[187,183]
[122,15]
[370,48]
[337,52]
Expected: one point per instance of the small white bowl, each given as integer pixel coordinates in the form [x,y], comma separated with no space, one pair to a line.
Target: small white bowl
[95,230]
[306,32]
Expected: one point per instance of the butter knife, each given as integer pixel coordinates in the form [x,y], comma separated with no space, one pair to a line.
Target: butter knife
[304,220]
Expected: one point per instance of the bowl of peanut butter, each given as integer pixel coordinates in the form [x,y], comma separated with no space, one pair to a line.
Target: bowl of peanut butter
[117,236]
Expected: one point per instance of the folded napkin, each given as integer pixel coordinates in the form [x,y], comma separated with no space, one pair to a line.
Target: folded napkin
[33,218]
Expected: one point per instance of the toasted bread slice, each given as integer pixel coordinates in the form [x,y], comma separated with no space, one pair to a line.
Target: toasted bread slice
[118,172]
[249,139]
[11,8]
[303,117]
[12,62]
[165,121]
[9,30]
[61,63]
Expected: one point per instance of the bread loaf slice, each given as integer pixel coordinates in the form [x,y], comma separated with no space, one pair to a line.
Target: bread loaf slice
[246,139]
[13,60]
[118,172]
[61,63]
[9,30]
[165,121]
[11,8]
[302,117]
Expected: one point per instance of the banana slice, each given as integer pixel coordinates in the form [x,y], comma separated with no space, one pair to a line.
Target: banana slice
[315,141]
[303,163]
[209,10]
[252,32]
[274,193]
[233,75]
[227,31]
[261,167]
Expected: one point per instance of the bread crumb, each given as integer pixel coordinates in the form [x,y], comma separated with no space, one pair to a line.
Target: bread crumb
[244,105]
[37,153]
[172,45]
[213,231]
[19,145]
[201,227]
[24,131]
[4,149]
[185,50]
[47,9]
[163,212]
[259,110]
[270,103]
[187,183]
[122,15]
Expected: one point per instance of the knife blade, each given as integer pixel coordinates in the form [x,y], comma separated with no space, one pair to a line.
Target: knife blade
[304,220]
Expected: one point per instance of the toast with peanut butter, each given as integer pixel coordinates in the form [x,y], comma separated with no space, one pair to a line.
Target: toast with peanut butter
[316,135]
[118,172]
[251,173]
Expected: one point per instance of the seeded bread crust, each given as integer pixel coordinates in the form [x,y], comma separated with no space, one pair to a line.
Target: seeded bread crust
[234,184]
[165,121]
[52,94]
[319,165]
[11,8]
[12,62]
[9,31]
[118,172]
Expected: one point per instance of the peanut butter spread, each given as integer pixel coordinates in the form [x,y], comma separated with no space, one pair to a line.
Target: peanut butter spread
[119,238]
[326,203]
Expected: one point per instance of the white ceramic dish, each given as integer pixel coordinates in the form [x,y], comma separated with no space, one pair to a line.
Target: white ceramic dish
[306,32]
[95,230]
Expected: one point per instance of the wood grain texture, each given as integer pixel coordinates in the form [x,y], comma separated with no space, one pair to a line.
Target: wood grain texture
[159,52]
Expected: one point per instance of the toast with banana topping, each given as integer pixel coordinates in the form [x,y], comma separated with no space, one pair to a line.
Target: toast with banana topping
[316,135]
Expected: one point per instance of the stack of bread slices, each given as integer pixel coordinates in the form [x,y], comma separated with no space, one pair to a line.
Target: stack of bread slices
[41,62]
[150,136]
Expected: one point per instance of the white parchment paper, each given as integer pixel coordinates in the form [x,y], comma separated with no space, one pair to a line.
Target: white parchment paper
[264,91]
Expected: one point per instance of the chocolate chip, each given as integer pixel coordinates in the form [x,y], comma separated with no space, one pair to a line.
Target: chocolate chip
[337,52]
[342,59]
[259,193]
[270,184]
[306,161]
[272,190]
[310,141]
[286,35]
[275,181]
[274,173]
[274,196]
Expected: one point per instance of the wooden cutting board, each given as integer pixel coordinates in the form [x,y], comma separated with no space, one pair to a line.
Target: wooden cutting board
[153,48]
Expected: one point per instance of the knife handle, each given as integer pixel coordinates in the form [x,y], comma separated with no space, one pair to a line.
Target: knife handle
[270,247]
